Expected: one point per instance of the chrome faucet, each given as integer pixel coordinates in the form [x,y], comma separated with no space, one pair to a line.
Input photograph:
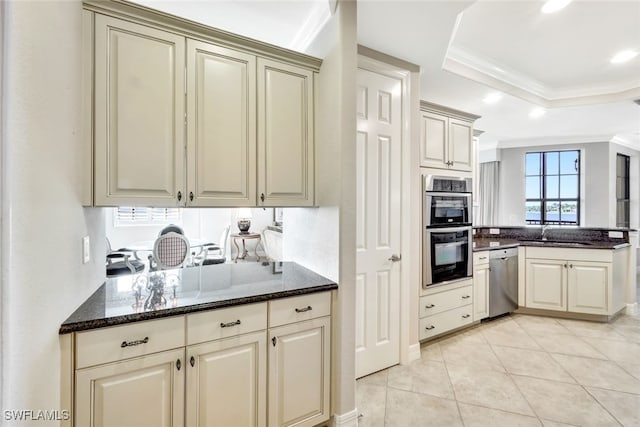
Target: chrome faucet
[545,227]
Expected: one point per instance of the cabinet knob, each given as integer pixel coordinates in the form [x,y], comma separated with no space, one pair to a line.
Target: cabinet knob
[262,197]
[273,341]
[192,361]
[178,364]
[179,195]
[570,265]
[191,196]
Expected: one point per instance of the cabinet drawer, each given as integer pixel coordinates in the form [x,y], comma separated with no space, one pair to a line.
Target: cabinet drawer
[296,309]
[226,322]
[133,340]
[480,258]
[443,322]
[443,301]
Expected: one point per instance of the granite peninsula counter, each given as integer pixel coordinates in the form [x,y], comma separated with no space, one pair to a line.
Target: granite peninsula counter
[154,295]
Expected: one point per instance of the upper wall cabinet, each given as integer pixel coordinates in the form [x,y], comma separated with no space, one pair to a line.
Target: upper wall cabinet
[446,138]
[138,114]
[285,135]
[186,115]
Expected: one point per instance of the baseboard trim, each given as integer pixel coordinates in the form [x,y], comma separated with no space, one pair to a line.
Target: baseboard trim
[350,419]
[632,309]
[414,352]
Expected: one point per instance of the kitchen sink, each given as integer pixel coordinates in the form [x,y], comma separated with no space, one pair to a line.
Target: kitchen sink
[555,242]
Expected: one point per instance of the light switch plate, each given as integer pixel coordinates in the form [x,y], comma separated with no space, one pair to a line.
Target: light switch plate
[494,231]
[616,235]
[86,254]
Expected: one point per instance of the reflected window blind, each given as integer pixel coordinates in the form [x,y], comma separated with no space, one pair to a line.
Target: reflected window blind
[146,216]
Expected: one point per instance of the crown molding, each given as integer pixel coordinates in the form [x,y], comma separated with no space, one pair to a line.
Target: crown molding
[499,76]
[554,140]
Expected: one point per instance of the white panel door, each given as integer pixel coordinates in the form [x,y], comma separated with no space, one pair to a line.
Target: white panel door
[546,284]
[460,145]
[481,292]
[378,166]
[227,382]
[299,373]
[285,135]
[139,115]
[144,392]
[588,287]
[221,143]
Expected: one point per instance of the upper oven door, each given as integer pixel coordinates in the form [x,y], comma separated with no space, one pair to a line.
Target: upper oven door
[447,209]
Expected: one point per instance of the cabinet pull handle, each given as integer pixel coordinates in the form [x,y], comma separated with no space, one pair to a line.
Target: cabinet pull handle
[273,340]
[466,316]
[483,257]
[134,343]
[428,328]
[302,310]
[179,195]
[429,306]
[466,296]
[192,361]
[178,364]
[227,325]
[565,266]
[191,196]
[262,197]
[570,265]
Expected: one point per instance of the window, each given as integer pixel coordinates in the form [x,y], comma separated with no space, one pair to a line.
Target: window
[124,216]
[622,191]
[552,180]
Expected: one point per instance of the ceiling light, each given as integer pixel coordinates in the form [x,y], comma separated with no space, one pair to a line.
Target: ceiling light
[492,98]
[537,112]
[551,6]
[624,56]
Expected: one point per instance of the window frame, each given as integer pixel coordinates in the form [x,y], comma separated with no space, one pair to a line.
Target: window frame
[627,170]
[163,216]
[543,200]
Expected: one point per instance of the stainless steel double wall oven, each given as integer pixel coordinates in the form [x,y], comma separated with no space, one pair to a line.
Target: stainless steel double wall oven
[447,242]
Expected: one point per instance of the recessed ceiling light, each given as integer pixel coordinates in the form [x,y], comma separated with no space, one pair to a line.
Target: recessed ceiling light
[537,112]
[624,56]
[492,98]
[551,6]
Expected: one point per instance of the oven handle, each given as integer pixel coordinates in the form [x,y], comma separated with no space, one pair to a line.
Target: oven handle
[449,229]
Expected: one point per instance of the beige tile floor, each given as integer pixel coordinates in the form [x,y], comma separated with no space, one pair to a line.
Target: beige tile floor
[517,370]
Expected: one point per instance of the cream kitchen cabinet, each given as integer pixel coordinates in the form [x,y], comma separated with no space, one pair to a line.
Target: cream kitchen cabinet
[285,135]
[480,285]
[445,309]
[299,361]
[575,280]
[188,116]
[138,114]
[446,138]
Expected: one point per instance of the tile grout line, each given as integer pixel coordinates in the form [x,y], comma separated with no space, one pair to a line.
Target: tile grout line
[602,406]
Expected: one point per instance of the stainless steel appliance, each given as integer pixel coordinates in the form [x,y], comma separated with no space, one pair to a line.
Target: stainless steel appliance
[503,281]
[447,255]
[447,247]
[447,201]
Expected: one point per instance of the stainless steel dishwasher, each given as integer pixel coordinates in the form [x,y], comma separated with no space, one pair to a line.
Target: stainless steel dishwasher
[503,281]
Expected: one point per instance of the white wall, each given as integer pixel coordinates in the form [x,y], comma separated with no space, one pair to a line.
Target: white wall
[198,223]
[43,278]
[594,183]
[315,236]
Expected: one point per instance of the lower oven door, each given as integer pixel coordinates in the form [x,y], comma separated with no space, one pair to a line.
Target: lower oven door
[447,255]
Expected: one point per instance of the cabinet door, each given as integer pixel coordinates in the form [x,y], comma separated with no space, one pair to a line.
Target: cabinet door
[227,382]
[588,287]
[143,392]
[221,142]
[299,369]
[433,140]
[546,286]
[285,135]
[139,114]
[460,145]
[481,292]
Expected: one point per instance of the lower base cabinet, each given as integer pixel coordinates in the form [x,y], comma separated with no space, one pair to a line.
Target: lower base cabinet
[444,309]
[299,374]
[146,391]
[219,374]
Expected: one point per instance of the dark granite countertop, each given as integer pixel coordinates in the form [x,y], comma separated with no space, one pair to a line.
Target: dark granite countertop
[191,289]
[487,244]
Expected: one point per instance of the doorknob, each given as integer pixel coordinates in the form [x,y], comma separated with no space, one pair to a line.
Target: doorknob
[395,258]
